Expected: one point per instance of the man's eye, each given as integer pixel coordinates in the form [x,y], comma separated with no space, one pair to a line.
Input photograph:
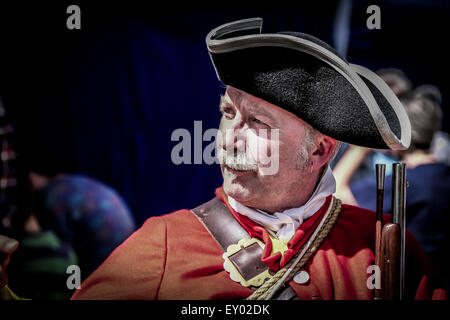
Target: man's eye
[257,121]
[228,113]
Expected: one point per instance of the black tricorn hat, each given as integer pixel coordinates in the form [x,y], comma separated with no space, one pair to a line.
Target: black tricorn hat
[308,78]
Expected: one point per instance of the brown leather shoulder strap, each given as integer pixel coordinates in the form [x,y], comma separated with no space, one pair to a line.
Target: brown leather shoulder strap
[220,223]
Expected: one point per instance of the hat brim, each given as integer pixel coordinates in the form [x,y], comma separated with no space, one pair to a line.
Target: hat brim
[305,76]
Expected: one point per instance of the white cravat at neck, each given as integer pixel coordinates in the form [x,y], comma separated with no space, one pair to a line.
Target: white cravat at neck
[284,224]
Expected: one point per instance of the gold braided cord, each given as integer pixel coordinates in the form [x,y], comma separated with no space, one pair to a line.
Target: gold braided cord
[263,292]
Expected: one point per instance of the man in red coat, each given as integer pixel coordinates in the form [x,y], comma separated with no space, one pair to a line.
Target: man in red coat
[274,229]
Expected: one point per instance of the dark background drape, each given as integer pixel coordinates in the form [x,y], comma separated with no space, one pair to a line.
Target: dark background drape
[104,100]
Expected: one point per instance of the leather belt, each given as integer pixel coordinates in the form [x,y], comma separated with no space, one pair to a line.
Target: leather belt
[220,222]
[227,231]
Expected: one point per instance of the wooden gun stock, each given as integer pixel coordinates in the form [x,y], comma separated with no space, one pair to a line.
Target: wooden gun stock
[389,261]
[390,242]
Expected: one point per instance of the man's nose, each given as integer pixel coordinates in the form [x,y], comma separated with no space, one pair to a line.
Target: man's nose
[235,137]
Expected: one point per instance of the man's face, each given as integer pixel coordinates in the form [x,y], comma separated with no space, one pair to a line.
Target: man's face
[264,151]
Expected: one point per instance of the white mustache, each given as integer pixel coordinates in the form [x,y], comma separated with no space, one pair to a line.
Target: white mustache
[240,161]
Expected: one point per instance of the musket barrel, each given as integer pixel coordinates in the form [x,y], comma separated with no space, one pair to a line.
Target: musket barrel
[380,169]
[398,216]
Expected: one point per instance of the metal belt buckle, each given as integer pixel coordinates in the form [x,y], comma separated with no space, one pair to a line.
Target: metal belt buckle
[243,262]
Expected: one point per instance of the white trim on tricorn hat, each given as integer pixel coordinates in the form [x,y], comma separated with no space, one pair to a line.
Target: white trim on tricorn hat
[382,124]
[246,34]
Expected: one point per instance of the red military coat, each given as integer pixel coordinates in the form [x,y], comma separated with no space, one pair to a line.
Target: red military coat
[175,257]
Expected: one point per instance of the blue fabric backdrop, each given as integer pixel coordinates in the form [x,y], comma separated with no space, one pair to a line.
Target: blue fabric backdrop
[104,100]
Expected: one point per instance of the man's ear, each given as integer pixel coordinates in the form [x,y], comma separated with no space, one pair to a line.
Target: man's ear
[322,153]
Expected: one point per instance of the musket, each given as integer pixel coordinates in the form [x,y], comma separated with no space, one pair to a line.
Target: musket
[392,252]
[380,174]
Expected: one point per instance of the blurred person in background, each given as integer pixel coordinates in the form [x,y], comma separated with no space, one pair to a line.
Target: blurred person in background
[427,199]
[83,212]
[397,80]
[41,259]
[440,145]
[58,219]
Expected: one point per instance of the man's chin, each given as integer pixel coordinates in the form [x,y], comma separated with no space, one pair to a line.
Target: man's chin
[239,185]
[236,190]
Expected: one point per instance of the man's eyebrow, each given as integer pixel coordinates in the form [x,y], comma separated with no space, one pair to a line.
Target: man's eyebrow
[255,109]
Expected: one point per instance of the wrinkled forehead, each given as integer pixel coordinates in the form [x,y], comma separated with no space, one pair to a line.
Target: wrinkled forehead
[241,99]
